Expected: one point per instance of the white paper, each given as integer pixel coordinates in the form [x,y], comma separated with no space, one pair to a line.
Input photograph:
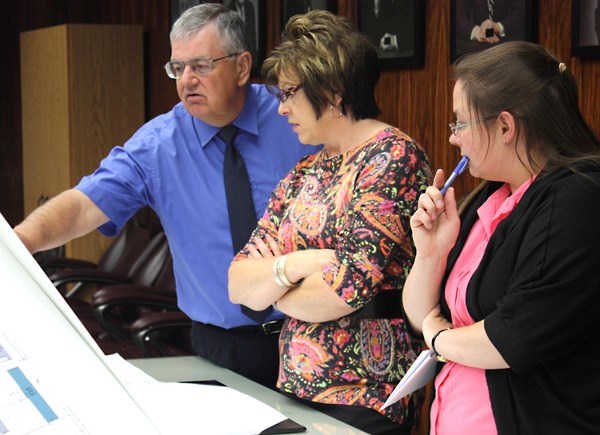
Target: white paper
[178,408]
[417,376]
[54,379]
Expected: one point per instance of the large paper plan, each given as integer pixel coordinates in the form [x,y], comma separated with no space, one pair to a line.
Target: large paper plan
[54,379]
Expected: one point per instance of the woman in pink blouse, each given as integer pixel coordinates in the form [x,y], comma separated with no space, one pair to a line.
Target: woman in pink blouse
[333,248]
[506,290]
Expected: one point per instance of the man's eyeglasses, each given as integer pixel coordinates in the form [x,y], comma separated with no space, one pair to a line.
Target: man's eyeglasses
[456,127]
[281,94]
[201,66]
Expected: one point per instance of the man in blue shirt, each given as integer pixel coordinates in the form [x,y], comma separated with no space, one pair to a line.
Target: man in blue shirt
[174,164]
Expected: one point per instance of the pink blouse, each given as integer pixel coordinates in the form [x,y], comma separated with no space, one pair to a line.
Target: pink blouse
[462,402]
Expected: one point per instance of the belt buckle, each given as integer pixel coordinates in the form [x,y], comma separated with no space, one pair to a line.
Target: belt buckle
[272,327]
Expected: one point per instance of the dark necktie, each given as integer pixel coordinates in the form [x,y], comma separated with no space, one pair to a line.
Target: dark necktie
[240,205]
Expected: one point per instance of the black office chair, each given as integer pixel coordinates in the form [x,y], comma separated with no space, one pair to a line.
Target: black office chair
[165,333]
[145,315]
[144,271]
[115,307]
[119,263]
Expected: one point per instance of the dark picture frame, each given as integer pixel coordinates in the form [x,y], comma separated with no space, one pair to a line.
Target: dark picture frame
[177,7]
[516,16]
[396,28]
[289,8]
[251,10]
[585,28]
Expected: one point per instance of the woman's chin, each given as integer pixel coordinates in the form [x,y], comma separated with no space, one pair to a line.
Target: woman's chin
[306,141]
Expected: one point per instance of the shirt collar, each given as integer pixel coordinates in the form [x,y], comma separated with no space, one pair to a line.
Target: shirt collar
[499,205]
[247,120]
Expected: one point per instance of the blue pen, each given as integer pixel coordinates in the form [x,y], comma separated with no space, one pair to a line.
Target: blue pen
[462,165]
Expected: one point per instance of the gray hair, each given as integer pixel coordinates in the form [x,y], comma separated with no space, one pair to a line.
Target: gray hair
[229,25]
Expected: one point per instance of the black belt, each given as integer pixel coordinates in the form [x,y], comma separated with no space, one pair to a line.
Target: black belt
[385,305]
[272,327]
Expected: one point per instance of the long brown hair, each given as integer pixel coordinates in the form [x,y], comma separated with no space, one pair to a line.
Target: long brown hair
[524,79]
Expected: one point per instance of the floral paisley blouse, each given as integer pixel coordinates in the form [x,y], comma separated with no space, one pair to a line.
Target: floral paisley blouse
[358,203]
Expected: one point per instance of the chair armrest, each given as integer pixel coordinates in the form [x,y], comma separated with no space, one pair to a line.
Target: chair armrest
[131,294]
[160,320]
[163,334]
[69,263]
[117,306]
[82,277]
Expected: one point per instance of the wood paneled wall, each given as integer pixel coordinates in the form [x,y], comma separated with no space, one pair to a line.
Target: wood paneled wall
[23,15]
[418,100]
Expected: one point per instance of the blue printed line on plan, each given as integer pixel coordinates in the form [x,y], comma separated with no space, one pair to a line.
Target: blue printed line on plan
[32,394]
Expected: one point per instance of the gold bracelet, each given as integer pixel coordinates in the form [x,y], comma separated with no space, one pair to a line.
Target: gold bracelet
[281,272]
[276,275]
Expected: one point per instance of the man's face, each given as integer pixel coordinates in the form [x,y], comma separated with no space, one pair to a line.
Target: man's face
[216,98]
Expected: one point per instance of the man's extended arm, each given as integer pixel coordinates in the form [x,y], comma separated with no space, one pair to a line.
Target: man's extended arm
[69,215]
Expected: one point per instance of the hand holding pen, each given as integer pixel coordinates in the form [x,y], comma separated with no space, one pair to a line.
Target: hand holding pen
[462,165]
[429,209]
[435,223]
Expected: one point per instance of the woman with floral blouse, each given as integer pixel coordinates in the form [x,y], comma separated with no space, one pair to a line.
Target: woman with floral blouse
[333,248]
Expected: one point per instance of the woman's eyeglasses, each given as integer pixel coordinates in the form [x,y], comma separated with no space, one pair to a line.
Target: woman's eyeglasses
[283,94]
[456,127]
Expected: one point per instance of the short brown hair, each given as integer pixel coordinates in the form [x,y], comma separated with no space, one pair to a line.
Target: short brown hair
[329,56]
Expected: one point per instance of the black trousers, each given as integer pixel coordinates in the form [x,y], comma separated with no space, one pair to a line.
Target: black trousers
[251,353]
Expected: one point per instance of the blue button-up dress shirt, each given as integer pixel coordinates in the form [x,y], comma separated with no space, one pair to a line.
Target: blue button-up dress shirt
[174,164]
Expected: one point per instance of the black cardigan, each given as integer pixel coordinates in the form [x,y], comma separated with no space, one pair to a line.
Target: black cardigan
[538,289]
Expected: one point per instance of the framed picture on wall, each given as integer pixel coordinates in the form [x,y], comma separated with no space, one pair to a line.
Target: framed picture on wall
[289,8]
[179,6]
[479,24]
[396,28]
[585,28]
[253,12]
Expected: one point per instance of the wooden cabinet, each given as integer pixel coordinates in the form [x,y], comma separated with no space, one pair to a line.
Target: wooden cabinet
[82,93]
